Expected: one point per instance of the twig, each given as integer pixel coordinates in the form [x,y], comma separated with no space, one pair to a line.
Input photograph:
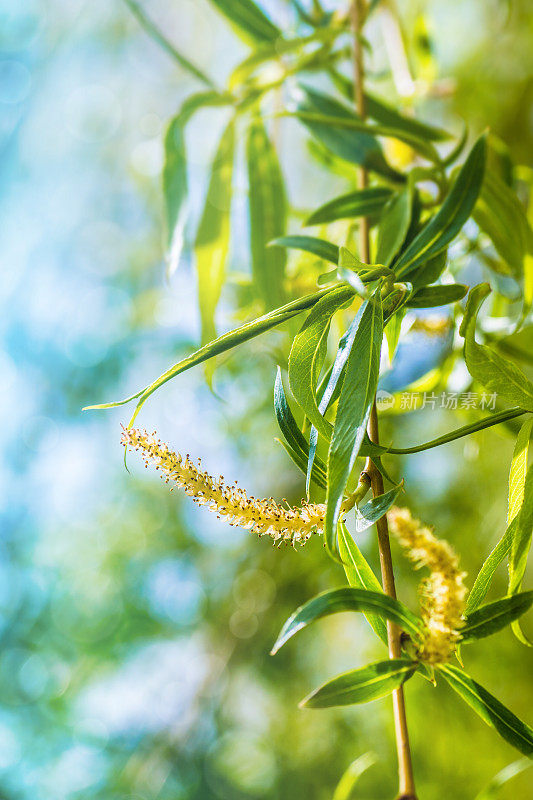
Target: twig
[405,769]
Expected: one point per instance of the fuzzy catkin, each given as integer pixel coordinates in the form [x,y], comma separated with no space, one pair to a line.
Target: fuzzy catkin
[264,517]
[443,592]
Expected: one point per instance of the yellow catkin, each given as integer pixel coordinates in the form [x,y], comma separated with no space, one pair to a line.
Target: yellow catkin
[264,517]
[443,593]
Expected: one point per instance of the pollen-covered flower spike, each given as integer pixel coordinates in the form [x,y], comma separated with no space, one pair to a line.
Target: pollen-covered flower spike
[283,524]
[443,593]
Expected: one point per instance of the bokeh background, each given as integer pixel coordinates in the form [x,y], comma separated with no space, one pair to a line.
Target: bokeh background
[134,628]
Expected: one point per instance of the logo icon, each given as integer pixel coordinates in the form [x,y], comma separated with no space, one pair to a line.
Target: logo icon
[384,400]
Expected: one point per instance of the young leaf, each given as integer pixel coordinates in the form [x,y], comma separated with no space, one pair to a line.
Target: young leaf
[500,779]
[268,215]
[491,564]
[520,545]
[348,599]
[518,471]
[360,575]
[494,713]
[452,215]
[432,296]
[362,203]
[492,617]
[221,345]
[175,169]
[362,685]
[293,435]
[358,147]
[306,356]
[310,244]
[248,20]
[368,514]
[344,788]
[498,375]
[212,239]
[501,215]
[393,226]
[355,401]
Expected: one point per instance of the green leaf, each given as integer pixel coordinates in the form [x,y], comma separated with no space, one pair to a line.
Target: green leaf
[348,599]
[500,779]
[498,375]
[268,215]
[345,786]
[153,31]
[432,296]
[310,244]
[437,234]
[378,109]
[357,147]
[307,353]
[362,685]
[430,271]
[521,545]
[492,617]
[355,401]
[393,226]
[362,203]
[360,575]
[491,564]
[494,713]
[500,214]
[221,345]
[368,514]
[518,471]
[175,168]
[296,443]
[213,237]
[248,20]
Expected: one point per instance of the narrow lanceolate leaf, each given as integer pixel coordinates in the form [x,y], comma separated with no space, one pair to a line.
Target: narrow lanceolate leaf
[362,203]
[452,215]
[492,617]
[221,345]
[432,296]
[345,787]
[393,226]
[309,244]
[353,410]
[248,20]
[368,514]
[307,355]
[491,564]
[498,375]
[520,546]
[360,575]
[295,442]
[358,147]
[382,112]
[506,774]
[268,215]
[500,214]
[175,169]
[212,239]
[348,599]
[518,471]
[362,685]
[494,713]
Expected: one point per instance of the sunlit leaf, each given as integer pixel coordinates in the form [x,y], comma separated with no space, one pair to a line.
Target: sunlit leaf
[368,514]
[432,296]
[437,234]
[309,244]
[393,226]
[353,410]
[345,787]
[212,239]
[496,374]
[506,774]
[362,685]
[268,215]
[491,564]
[494,713]
[492,617]
[363,202]
[349,599]
[248,20]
